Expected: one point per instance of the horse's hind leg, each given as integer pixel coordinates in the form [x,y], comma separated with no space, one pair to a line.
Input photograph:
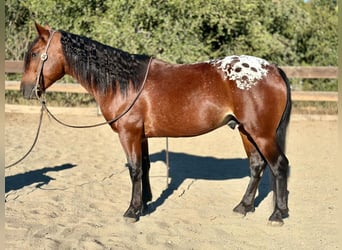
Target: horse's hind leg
[146,188]
[279,166]
[257,165]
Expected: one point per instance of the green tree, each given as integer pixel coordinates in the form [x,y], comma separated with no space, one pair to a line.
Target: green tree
[288,32]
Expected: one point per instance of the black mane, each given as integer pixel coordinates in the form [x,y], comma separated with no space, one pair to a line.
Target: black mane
[103,67]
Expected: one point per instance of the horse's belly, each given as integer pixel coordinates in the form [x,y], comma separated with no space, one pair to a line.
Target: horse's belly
[185,124]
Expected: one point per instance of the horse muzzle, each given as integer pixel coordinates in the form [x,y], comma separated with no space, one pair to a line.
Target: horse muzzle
[30,91]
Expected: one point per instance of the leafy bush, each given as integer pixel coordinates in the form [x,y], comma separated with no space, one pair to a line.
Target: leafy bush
[292,32]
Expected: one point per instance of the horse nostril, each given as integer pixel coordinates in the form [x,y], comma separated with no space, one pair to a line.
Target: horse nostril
[22,89]
[28,91]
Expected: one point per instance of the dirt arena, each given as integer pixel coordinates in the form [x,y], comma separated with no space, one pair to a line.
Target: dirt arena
[71,192]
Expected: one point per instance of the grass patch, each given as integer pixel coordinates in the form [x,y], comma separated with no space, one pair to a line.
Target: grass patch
[314,107]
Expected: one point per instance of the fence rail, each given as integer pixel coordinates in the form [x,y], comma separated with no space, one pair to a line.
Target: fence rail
[309,72]
[296,95]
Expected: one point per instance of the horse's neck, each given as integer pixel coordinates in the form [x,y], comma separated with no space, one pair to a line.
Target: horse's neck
[101,69]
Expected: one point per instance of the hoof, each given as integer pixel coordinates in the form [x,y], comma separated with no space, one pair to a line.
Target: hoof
[275,223]
[243,209]
[237,214]
[130,220]
[131,216]
[276,219]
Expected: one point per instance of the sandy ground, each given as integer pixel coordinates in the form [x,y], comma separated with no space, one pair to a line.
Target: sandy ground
[71,192]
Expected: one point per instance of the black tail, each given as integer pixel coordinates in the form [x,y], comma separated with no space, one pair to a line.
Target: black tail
[282,127]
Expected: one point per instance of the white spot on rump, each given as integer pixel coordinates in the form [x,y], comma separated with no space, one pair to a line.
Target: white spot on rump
[244,70]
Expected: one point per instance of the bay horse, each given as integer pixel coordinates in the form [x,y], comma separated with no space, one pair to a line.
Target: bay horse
[173,100]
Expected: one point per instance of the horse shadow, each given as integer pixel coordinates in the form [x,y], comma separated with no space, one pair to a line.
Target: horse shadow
[186,166]
[18,181]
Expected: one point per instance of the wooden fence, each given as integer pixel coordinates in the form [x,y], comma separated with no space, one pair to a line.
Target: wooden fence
[311,72]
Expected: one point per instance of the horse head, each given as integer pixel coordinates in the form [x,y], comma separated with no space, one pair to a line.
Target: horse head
[44,63]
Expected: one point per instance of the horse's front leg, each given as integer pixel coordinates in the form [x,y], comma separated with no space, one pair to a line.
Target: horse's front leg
[131,143]
[146,188]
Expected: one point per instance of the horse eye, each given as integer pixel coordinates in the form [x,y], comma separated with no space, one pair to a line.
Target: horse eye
[33,54]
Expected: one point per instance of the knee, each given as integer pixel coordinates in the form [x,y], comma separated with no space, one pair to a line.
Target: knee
[134,171]
[256,170]
[257,165]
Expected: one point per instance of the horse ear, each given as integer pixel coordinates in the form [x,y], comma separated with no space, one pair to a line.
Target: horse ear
[42,32]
